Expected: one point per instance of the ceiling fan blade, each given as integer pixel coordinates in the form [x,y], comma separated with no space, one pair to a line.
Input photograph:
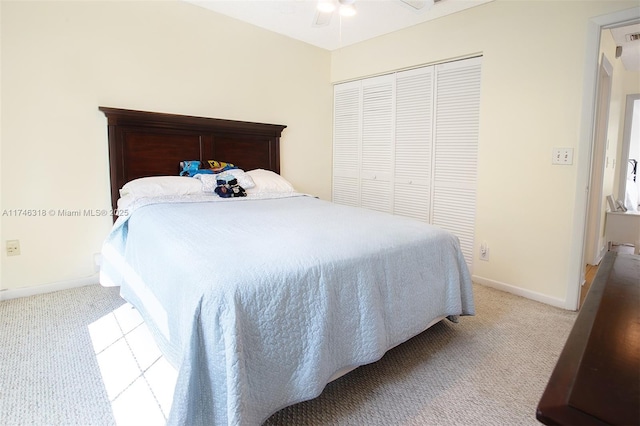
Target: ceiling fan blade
[322,19]
[419,4]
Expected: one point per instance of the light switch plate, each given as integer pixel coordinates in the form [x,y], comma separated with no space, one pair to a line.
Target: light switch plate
[562,156]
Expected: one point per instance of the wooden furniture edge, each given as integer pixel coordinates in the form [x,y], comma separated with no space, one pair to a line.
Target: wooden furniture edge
[557,405]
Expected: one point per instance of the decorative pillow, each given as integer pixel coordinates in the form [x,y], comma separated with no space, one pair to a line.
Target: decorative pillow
[189,167]
[209,182]
[268,181]
[156,186]
[244,180]
[220,166]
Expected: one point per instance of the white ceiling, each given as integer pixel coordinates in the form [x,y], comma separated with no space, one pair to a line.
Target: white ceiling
[295,18]
[630,49]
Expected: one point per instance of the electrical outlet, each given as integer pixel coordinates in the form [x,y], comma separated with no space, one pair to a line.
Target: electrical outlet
[484,251]
[562,156]
[13,247]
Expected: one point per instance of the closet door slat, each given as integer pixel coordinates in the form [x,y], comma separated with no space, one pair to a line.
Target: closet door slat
[377,143]
[413,146]
[346,143]
[457,119]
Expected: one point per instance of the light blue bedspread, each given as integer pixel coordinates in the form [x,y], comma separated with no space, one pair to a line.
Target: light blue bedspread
[257,303]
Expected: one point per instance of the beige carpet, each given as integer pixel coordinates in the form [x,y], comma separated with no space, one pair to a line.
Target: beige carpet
[489,369]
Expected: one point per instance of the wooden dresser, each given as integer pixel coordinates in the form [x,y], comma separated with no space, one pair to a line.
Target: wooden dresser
[596,380]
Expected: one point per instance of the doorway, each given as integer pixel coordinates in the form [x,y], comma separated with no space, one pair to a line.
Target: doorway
[629,188]
[585,153]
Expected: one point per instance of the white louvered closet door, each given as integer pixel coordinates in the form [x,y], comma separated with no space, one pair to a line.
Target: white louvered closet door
[346,143]
[456,129]
[413,134]
[377,152]
[407,143]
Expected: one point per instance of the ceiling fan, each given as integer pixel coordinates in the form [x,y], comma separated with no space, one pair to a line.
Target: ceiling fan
[326,8]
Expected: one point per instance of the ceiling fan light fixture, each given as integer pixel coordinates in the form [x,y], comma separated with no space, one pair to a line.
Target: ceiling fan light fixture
[326,6]
[347,8]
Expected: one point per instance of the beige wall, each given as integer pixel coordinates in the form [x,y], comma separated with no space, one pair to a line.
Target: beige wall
[61,60]
[532,97]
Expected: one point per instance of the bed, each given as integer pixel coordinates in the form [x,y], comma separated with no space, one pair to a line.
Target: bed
[260,301]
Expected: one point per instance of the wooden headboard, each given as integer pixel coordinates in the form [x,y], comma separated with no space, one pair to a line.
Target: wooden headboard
[145,144]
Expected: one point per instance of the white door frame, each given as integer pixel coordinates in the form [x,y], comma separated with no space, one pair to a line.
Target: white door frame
[594,247]
[585,146]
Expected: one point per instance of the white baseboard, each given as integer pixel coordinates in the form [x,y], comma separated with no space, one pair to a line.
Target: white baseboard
[14,293]
[538,297]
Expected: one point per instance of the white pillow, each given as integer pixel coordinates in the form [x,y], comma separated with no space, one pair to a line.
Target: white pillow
[157,186]
[244,180]
[125,202]
[268,181]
